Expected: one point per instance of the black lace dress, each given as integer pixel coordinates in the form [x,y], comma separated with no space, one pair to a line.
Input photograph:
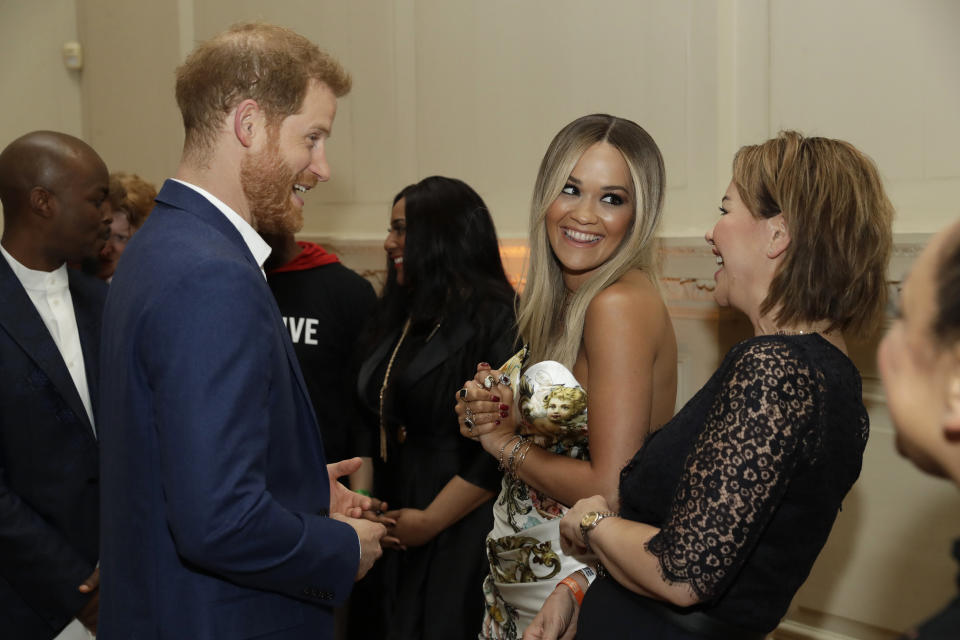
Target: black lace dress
[745,483]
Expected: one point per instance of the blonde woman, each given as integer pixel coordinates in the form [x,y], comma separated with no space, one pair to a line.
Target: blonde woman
[594,320]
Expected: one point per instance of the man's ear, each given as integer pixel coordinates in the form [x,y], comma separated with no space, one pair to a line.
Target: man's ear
[951,411]
[248,119]
[43,202]
[779,236]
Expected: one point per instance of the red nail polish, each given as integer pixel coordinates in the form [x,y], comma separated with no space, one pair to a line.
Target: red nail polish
[504,407]
[496,422]
[485,365]
[495,398]
[504,414]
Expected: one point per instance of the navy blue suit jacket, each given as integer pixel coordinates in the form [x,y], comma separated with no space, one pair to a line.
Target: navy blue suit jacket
[49,467]
[215,490]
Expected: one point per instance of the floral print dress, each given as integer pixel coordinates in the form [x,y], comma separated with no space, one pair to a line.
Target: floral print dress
[523,548]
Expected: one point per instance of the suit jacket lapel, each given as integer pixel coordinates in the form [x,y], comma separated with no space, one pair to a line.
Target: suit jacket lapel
[292,357]
[88,313]
[373,361]
[181,197]
[21,320]
[449,337]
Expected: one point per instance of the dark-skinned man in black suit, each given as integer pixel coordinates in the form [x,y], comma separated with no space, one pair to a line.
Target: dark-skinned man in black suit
[53,187]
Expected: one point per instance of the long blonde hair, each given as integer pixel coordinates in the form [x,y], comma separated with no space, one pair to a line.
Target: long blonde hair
[550,318]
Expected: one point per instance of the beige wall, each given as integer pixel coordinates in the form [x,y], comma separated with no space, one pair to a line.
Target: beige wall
[38,91]
[129,113]
[475,89]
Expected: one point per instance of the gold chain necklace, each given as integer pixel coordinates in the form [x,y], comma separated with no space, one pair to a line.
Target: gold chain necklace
[383,389]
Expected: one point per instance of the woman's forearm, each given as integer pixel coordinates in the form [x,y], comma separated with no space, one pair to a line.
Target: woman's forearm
[621,545]
[457,499]
[563,478]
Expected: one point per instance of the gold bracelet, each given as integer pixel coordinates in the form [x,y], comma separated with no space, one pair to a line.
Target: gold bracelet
[502,448]
[522,456]
[513,454]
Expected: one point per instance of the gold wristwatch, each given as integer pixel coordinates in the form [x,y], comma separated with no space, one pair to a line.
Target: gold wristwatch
[590,521]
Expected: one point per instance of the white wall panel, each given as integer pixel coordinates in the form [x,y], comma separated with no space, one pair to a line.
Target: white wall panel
[883,76]
[39,92]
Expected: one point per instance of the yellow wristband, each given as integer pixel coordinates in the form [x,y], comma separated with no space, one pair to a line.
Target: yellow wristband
[574,586]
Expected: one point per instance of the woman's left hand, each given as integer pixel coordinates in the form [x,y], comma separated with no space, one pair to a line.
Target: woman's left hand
[413,527]
[571,538]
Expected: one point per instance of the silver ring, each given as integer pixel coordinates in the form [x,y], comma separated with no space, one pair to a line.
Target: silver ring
[462,393]
[468,414]
[468,423]
[504,379]
[488,382]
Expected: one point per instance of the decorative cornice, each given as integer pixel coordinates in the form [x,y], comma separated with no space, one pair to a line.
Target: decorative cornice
[686,264]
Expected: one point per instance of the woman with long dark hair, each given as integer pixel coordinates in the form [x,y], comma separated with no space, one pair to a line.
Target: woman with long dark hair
[446,305]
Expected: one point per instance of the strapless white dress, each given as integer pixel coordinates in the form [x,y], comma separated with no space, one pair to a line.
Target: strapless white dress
[523,548]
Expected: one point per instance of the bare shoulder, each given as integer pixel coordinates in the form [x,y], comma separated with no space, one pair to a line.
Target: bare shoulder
[634,293]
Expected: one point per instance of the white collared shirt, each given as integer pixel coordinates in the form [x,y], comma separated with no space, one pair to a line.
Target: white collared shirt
[50,293]
[257,245]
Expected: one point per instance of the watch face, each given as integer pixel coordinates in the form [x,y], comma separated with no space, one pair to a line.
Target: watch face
[589,518]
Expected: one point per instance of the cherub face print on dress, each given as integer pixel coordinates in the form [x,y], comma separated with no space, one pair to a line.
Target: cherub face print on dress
[553,405]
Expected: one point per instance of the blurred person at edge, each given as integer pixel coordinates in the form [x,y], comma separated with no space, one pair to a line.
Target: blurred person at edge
[131,199]
[724,510]
[919,363]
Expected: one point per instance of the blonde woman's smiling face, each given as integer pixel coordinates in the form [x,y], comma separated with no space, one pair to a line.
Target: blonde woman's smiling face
[589,219]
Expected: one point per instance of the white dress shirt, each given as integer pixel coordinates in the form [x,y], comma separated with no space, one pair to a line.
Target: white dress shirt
[50,293]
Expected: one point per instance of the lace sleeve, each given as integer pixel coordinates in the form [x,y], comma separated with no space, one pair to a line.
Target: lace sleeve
[738,469]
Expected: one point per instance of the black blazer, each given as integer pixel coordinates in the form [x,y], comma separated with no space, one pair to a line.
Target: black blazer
[49,463]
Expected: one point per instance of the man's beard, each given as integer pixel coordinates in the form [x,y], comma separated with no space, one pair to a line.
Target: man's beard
[268,185]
